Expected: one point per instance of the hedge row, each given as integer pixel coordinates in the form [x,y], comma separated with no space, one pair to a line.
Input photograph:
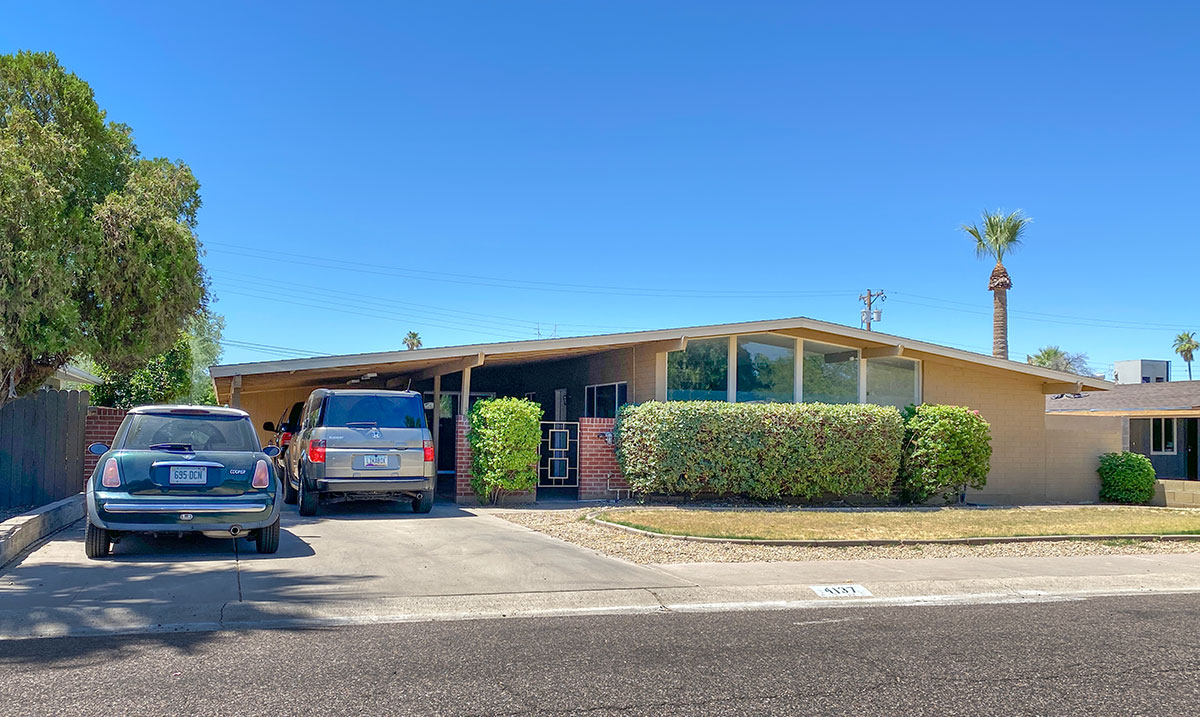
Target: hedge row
[804,450]
[505,435]
[764,451]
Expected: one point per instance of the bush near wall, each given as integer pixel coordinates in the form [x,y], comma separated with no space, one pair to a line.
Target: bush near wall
[1126,477]
[946,448]
[505,435]
[765,451]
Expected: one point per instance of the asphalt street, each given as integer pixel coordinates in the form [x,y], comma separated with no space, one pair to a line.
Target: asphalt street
[1117,655]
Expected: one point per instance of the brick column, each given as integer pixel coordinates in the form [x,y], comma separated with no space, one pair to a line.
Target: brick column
[598,468]
[462,462]
[102,425]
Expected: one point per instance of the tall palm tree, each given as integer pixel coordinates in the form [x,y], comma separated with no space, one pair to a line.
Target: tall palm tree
[412,340]
[1001,234]
[1185,345]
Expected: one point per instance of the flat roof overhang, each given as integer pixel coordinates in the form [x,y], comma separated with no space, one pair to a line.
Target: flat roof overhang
[397,365]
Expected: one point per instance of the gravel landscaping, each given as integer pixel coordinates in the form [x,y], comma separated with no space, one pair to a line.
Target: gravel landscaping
[568,525]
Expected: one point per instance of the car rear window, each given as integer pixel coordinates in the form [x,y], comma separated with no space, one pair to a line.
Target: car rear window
[379,410]
[202,433]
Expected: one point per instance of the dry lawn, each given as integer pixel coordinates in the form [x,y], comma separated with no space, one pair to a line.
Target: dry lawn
[911,524]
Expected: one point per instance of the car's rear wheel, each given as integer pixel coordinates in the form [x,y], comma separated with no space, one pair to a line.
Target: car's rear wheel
[309,500]
[424,504]
[268,538]
[289,493]
[97,543]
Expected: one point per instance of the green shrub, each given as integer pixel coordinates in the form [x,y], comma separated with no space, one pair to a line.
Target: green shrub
[1126,477]
[946,448]
[761,450]
[505,434]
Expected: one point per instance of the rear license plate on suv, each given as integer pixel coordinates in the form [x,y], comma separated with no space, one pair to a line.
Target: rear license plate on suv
[375,461]
[188,475]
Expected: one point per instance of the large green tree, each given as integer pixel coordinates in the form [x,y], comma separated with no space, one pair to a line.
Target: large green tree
[166,378]
[204,337]
[999,235]
[1055,358]
[98,252]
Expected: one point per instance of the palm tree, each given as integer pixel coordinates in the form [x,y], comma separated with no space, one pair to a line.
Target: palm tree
[412,340]
[1185,344]
[1001,234]
[1055,358]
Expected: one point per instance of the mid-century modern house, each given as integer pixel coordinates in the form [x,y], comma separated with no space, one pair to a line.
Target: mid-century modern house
[1160,420]
[581,381]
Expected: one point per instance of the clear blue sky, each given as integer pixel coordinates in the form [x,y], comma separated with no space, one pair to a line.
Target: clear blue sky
[470,170]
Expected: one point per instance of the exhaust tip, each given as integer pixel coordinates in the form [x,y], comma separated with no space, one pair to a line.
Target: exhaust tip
[235,530]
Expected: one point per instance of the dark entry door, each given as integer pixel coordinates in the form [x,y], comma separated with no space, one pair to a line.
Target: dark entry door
[1189,433]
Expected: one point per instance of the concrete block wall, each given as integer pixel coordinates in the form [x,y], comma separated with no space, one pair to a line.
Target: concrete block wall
[598,469]
[102,425]
[1176,493]
[1073,448]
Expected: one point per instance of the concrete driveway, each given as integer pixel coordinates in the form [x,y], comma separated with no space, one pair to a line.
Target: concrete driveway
[354,560]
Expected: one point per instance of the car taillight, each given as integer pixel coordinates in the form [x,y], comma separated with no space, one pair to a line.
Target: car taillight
[112,475]
[316,451]
[285,438]
[428,445]
[261,477]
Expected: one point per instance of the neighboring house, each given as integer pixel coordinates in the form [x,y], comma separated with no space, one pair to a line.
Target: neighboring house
[71,376]
[1162,420]
[581,382]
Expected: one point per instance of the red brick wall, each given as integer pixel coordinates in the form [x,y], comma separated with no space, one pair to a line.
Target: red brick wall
[102,424]
[598,469]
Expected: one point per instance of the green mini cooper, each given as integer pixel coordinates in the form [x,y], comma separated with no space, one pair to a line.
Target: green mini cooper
[177,469]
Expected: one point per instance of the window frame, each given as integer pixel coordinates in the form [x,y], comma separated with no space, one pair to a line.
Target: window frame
[918,377]
[1174,436]
[862,375]
[589,408]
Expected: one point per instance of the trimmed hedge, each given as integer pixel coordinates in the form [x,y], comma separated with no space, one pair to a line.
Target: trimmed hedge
[946,448]
[761,450]
[505,435]
[1126,477]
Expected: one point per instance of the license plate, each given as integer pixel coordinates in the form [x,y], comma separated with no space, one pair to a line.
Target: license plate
[188,475]
[375,461]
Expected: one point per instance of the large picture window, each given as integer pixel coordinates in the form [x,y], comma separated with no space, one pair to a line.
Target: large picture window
[892,381]
[1162,436]
[699,372]
[830,373]
[603,400]
[766,368]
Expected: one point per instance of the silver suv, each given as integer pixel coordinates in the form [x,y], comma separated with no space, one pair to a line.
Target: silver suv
[361,444]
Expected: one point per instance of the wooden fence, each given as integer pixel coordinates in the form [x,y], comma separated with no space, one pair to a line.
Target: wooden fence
[41,447]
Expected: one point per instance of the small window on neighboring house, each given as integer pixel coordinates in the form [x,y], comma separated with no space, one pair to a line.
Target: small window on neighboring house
[1158,379]
[1145,379]
[1162,436]
[602,400]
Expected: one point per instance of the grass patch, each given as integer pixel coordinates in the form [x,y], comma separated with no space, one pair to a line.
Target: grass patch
[911,524]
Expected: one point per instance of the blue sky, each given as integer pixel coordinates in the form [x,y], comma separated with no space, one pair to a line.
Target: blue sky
[487,170]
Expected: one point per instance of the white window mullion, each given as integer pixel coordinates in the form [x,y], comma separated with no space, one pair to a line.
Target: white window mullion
[862,378]
[798,393]
[731,371]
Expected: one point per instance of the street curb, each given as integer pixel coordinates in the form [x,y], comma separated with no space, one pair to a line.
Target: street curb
[591,518]
[17,534]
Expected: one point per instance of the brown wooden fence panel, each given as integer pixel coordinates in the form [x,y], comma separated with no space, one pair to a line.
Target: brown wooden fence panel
[41,447]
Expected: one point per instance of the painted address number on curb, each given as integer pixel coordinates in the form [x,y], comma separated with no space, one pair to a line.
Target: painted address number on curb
[841,590]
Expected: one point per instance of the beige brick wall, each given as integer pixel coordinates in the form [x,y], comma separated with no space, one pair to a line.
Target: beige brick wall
[1073,448]
[1176,493]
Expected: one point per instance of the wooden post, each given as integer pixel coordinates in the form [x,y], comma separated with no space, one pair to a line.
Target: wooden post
[464,399]
[437,414]
[235,400]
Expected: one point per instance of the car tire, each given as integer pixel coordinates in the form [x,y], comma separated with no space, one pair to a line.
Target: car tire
[97,542]
[268,538]
[289,493]
[424,504]
[308,500]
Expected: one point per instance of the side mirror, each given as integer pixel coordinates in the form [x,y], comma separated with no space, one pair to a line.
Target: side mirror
[268,426]
[271,451]
[97,449]
[429,405]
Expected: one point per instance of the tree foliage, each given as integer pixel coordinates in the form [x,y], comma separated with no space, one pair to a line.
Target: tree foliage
[412,340]
[1185,345]
[1053,357]
[204,339]
[98,253]
[166,378]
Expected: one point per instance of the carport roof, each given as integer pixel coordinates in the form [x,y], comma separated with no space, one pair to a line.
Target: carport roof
[266,375]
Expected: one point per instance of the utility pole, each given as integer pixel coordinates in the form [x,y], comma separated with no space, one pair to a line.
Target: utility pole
[870,314]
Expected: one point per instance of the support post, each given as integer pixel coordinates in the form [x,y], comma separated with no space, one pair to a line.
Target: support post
[437,416]
[235,398]
[464,400]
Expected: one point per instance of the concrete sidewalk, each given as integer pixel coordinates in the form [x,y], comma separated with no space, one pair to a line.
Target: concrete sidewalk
[363,567]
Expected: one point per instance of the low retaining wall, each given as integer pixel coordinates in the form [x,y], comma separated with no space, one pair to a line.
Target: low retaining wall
[17,534]
[1176,493]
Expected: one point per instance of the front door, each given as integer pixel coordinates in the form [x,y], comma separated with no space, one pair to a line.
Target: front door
[560,404]
[1189,442]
